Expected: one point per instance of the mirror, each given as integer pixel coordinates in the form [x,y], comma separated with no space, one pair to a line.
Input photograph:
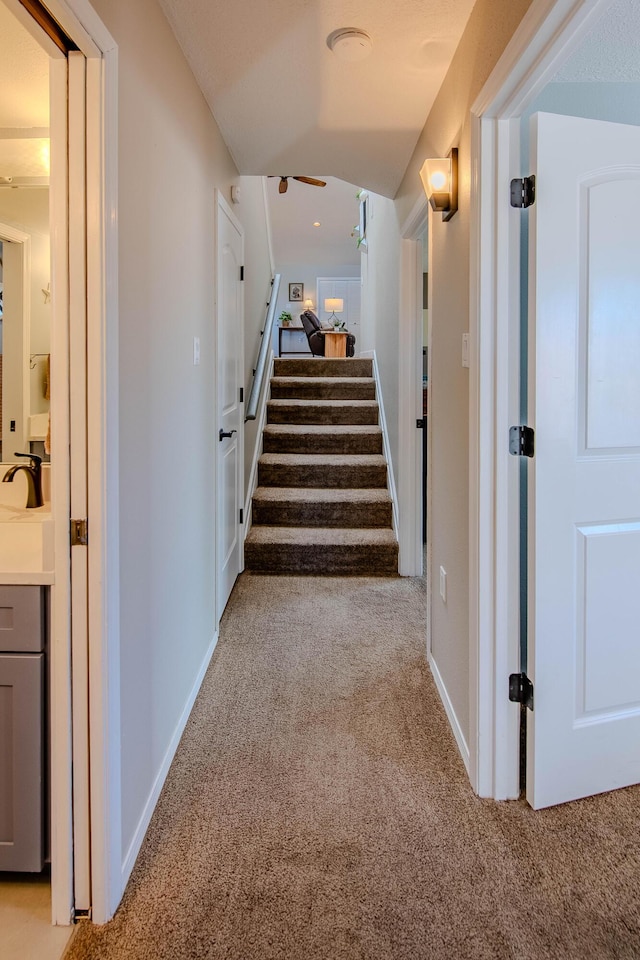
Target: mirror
[25,262]
[26,320]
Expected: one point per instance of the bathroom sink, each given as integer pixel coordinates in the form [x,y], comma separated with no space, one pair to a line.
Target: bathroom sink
[26,544]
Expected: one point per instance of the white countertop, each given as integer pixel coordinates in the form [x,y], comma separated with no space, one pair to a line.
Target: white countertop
[26,545]
[12,578]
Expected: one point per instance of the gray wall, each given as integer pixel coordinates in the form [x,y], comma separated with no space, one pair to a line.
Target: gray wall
[171,159]
[380,307]
[490,27]
[252,214]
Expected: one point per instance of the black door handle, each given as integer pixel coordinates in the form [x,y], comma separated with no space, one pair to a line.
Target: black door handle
[222,434]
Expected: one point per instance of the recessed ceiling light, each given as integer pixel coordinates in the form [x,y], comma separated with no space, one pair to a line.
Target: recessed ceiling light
[350,44]
[316,223]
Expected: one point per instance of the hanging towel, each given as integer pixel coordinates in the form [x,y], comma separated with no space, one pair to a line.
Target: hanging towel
[47,377]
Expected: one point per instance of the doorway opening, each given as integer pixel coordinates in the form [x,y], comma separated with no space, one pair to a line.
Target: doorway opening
[28,563]
[541,50]
[81,267]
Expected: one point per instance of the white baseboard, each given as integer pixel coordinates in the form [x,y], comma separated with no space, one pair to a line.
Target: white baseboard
[147,813]
[463,747]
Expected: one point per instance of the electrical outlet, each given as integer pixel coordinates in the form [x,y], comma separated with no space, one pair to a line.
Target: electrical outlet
[443,584]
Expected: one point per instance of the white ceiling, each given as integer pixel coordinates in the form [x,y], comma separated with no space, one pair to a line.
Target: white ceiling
[292,215]
[24,76]
[610,53]
[286,105]
[24,102]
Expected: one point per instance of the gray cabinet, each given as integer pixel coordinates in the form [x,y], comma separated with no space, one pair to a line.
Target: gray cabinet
[292,340]
[22,741]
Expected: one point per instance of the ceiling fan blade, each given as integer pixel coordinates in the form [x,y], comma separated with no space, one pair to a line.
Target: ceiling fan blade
[283,185]
[312,181]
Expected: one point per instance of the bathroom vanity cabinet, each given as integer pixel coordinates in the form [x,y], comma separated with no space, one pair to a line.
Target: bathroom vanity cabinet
[23,632]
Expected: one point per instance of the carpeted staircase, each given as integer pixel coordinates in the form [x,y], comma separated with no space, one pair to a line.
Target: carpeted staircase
[322,504]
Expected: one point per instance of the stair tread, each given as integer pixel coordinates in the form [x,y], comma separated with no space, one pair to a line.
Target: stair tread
[315,402]
[321,429]
[324,459]
[310,381]
[323,494]
[348,536]
[313,366]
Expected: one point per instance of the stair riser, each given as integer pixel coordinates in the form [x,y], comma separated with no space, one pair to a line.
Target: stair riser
[338,476]
[322,559]
[347,514]
[323,368]
[328,443]
[323,391]
[322,415]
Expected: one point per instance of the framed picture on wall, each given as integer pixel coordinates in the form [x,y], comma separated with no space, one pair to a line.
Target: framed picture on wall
[296,292]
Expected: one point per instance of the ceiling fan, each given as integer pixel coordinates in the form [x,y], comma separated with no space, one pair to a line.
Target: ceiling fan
[284,182]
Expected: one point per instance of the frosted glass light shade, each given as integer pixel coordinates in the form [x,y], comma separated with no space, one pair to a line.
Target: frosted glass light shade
[440,182]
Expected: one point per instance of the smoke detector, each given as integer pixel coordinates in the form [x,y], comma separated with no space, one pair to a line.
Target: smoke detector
[350,44]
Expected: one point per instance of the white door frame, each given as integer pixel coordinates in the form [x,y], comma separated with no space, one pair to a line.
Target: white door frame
[550,31]
[80,22]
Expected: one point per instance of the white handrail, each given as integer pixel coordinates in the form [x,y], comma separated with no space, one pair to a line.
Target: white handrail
[261,365]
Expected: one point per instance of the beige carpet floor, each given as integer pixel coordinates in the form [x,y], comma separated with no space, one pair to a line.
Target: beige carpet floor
[317,809]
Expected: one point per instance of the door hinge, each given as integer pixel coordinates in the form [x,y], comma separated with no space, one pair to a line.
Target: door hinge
[523,192]
[521,689]
[241,515]
[241,394]
[420,424]
[242,273]
[79,533]
[521,441]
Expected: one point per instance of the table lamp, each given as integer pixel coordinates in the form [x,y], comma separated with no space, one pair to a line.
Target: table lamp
[335,305]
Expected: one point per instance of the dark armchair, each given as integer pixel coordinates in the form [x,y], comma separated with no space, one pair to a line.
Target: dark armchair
[315,335]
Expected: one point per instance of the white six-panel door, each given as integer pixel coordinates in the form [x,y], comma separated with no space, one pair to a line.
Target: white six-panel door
[584,501]
[230,422]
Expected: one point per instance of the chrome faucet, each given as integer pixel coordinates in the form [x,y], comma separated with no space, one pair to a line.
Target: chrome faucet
[34,478]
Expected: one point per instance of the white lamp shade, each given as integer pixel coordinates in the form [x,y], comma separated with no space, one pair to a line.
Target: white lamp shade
[308,304]
[334,305]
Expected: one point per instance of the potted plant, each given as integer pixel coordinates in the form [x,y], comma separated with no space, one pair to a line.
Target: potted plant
[285,318]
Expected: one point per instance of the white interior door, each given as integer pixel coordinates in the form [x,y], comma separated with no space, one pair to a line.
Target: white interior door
[584,501]
[230,422]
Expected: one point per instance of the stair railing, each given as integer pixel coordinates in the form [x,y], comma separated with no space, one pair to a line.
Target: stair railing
[261,364]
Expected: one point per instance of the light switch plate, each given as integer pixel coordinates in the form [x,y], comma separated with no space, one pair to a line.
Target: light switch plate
[196,351]
[443,584]
[465,349]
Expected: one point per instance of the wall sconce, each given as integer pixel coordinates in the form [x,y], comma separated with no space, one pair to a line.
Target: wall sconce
[336,305]
[440,181]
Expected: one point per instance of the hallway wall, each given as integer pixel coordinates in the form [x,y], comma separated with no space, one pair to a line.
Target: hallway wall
[380,306]
[252,213]
[171,159]
[490,27]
